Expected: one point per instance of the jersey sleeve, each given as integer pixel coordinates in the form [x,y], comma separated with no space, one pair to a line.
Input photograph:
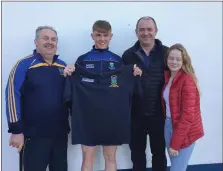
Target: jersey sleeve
[80,60]
[137,86]
[135,81]
[67,94]
[13,96]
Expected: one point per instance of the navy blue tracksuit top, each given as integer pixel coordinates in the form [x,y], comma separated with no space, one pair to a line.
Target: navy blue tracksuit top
[34,98]
[100,60]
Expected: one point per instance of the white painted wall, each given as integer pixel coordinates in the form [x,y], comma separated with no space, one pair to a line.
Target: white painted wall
[197,25]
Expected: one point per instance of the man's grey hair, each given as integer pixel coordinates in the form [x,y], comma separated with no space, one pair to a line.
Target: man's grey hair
[146,18]
[44,27]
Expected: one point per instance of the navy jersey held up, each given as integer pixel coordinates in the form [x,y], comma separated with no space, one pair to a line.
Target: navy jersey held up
[101,105]
[34,98]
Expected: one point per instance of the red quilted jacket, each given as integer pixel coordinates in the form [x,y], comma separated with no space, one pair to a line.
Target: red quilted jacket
[184,100]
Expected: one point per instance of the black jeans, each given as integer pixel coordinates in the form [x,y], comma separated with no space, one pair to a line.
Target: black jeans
[39,153]
[154,127]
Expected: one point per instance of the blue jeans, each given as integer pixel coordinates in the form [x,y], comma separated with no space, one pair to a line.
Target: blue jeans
[180,162]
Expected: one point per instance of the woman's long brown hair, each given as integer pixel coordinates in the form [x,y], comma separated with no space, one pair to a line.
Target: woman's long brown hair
[187,65]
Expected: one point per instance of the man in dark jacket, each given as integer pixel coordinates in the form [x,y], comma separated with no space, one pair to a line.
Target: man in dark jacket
[147,116]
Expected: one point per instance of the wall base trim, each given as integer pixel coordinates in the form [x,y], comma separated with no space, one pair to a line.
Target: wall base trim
[199,167]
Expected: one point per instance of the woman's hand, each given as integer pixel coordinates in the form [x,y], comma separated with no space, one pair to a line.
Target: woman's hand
[173,152]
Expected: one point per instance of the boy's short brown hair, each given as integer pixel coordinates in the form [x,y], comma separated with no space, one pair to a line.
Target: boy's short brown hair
[101,26]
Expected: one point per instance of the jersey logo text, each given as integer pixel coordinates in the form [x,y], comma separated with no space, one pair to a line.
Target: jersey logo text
[89,66]
[88,80]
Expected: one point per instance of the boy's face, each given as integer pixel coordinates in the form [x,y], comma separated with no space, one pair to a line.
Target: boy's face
[101,39]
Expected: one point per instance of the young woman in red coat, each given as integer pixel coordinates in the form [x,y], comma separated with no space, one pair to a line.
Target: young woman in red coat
[181,105]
